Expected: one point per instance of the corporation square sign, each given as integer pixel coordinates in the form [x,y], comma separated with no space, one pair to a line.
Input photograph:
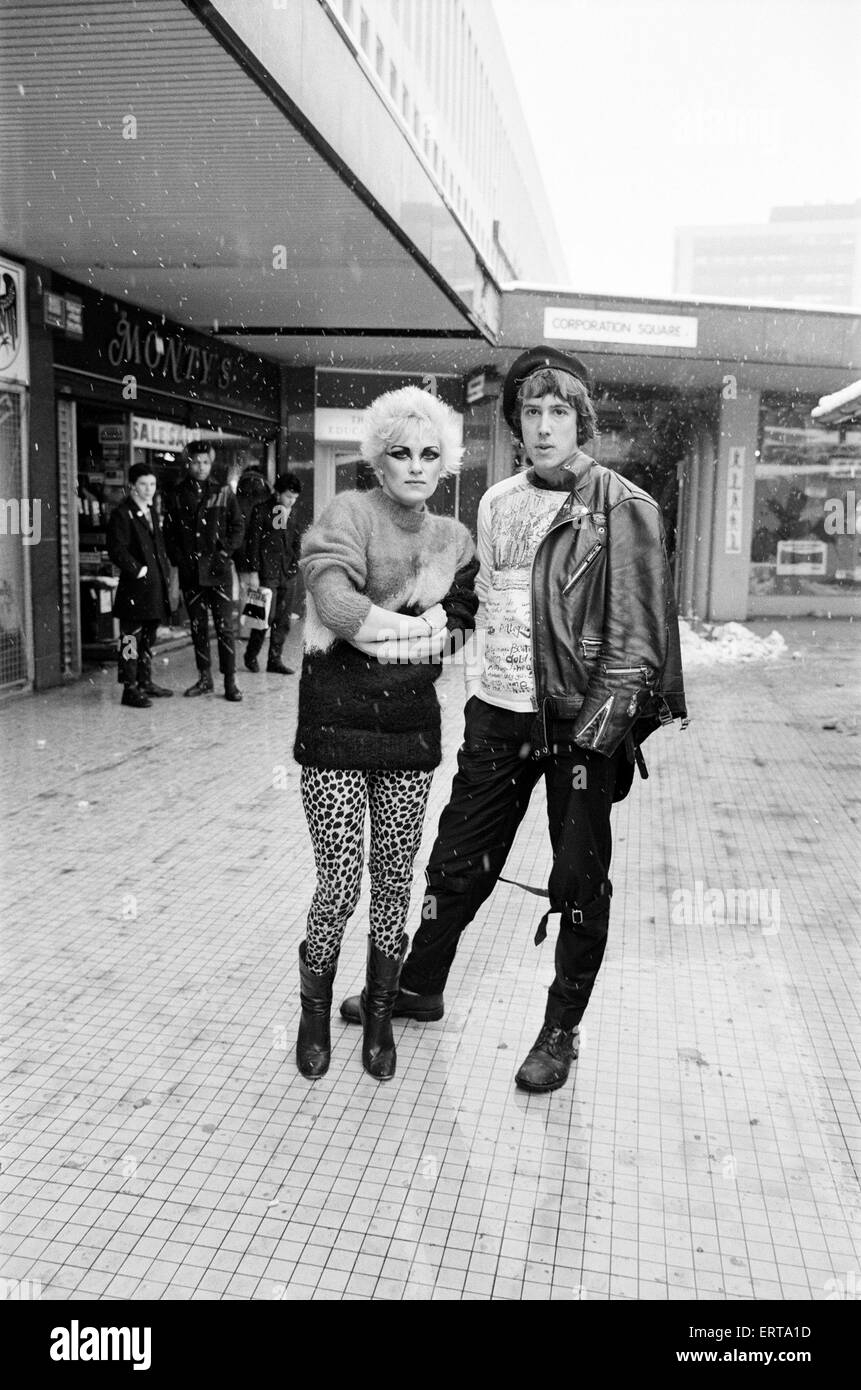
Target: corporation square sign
[581,325]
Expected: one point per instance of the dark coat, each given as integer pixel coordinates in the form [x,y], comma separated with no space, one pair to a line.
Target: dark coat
[202,529]
[131,545]
[273,544]
[605,638]
[253,489]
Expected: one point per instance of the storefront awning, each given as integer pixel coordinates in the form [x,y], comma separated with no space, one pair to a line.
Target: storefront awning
[143,156]
[839,407]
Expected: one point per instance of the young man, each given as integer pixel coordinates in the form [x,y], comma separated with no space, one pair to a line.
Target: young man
[271,553]
[203,528]
[136,547]
[577,661]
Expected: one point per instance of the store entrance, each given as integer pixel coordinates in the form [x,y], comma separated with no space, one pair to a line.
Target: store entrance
[103,443]
[655,439]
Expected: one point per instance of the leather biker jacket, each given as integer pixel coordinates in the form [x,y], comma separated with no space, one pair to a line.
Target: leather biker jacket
[605,631]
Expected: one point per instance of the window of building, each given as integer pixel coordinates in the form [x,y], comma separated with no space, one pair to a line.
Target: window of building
[806,537]
[417,122]
[393,81]
[381,59]
[396,10]
[405,102]
[364,32]
[347,11]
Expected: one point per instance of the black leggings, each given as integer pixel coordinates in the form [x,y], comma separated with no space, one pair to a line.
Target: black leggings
[334,801]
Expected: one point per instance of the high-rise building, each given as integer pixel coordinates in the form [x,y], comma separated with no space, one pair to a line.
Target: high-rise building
[442,68]
[803,255]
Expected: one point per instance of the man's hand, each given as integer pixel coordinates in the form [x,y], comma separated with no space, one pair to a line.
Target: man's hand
[142,572]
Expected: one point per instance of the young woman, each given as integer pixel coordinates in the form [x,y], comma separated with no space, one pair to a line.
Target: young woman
[386,581]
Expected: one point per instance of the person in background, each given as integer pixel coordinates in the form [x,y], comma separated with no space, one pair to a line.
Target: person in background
[136,547]
[271,552]
[382,573]
[203,528]
[251,489]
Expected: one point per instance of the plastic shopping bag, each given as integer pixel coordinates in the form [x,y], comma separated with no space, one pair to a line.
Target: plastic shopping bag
[255,611]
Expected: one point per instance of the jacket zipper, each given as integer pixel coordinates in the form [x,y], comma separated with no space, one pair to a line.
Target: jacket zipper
[583,566]
[547,533]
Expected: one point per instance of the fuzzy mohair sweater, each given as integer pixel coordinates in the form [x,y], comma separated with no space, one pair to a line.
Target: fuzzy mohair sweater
[354,711]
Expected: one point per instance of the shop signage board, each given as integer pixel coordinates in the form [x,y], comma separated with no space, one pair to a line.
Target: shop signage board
[482,386]
[334,425]
[124,342]
[574,323]
[14,344]
[165,435]
[801,557]
[63,311]
[734,496]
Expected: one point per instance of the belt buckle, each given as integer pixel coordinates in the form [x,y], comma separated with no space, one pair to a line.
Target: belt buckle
[576,916]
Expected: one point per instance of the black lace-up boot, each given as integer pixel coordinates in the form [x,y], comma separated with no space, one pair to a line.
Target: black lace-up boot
[549,1060]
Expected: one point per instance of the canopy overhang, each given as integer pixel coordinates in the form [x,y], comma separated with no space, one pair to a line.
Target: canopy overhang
[144,155]
[840,407]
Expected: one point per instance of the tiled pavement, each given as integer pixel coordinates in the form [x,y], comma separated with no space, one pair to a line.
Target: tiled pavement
[158,1142]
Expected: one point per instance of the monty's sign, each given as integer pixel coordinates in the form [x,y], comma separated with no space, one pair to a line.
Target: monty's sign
[120,340]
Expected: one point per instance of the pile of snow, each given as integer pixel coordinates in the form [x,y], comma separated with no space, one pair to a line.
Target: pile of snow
[720,643]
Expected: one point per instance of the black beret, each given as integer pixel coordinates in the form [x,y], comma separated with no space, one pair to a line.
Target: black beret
[532,361]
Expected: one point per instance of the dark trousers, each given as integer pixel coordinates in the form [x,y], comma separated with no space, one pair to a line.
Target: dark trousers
[279,622]
[490,793]
[135,654]
[199,602]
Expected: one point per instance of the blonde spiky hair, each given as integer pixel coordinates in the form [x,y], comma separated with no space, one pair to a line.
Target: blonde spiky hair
[386,416]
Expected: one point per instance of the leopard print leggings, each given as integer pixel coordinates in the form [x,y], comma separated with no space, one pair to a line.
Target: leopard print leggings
[334,801]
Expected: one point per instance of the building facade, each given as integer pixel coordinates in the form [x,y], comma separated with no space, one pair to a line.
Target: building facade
[802,255]
[254,216]
[708,406]
[251,217]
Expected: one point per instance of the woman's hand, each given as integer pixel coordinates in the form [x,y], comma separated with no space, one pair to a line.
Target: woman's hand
[435,617]
[405,651]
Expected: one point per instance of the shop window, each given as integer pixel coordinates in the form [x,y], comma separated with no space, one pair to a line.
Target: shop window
[650,438]
[806,537]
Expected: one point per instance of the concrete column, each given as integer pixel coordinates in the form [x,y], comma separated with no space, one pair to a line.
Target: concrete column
[729,570]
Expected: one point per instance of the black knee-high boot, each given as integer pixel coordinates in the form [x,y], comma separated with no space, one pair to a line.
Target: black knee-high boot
[313,1046]
[375,1004]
